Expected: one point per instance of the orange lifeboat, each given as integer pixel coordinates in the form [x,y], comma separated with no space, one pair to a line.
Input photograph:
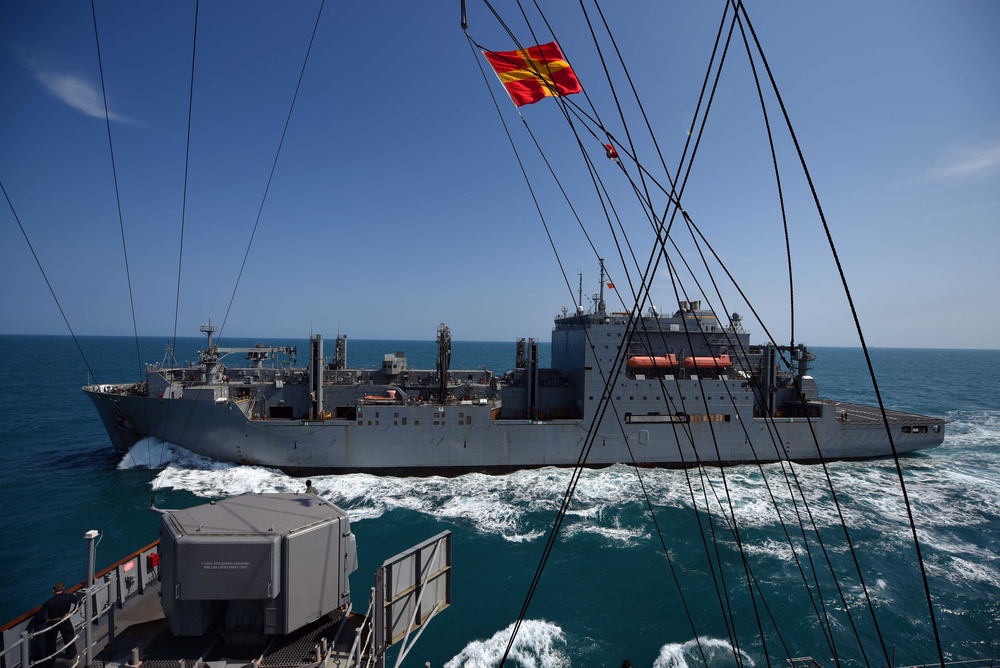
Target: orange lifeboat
[388,398]
[652,362]
[717,362]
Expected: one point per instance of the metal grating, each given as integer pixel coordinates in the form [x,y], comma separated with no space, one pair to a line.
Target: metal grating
[298,648]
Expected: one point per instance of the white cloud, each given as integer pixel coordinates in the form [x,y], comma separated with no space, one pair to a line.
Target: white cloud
[74,90]
[968,162]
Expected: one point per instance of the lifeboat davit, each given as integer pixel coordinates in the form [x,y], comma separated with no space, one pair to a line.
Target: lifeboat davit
[652,361]
[717,362]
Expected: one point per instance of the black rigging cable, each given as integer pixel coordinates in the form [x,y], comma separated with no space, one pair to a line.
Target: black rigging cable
[274,165]
[121,220]
[605,402]
[733,638]
[583,456]
[260,210]
[864,347]
[180,245]
[564,105]
[187,163]
[774,441]
[690,223]
[90,372]
[48,283]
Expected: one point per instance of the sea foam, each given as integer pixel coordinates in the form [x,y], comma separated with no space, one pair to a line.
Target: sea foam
[539,644]
[716,653]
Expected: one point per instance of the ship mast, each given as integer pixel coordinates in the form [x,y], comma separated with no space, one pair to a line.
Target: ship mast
[210,356]
[600,301]
[443,361]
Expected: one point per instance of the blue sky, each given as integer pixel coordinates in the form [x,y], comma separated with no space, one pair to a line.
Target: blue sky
[397,202]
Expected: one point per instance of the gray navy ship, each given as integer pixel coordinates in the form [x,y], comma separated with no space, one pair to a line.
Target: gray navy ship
[684,389]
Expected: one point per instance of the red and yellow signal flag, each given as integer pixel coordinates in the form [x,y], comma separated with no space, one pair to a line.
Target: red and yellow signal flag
[532,74]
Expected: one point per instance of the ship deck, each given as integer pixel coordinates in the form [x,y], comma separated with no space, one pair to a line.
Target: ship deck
[142,626]
[850,412]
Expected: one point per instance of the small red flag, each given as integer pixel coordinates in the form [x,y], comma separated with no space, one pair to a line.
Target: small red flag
[611,286]
[535,73]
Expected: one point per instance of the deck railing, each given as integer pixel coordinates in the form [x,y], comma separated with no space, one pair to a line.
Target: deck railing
[23,641]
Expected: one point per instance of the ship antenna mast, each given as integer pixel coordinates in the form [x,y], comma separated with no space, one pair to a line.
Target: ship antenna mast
[600,302]
[208,330]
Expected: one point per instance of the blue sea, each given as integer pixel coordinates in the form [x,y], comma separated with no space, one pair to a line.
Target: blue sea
[725,564]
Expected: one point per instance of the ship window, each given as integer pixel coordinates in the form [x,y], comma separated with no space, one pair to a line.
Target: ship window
[906,430]
[369,423]
[404,422]
[395,415]
[631,398]
[436,422]
[937,429]
[729,417]
[361,423]
[376,423]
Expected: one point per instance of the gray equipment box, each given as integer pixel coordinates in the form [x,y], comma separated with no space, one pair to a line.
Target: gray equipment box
[268,563]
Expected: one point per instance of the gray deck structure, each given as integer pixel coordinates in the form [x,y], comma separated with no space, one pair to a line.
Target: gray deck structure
[192,599]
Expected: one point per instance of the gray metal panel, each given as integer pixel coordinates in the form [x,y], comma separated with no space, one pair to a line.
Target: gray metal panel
[416,584]
[168,576]
[313,566]
[232,569]
[254,514]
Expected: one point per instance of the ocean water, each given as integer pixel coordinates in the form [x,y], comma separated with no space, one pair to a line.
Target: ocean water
[617,585]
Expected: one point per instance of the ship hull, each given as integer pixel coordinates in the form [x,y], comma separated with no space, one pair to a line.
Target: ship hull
[453,439]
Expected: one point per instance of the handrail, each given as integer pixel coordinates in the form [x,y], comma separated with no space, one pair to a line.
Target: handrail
[31,613]
[120,582]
